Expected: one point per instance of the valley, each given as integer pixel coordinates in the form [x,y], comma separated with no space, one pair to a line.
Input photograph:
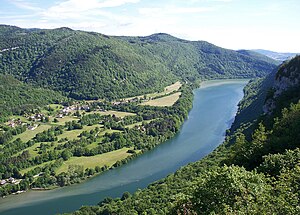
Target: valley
[211,102]
[82,139]
[91,119]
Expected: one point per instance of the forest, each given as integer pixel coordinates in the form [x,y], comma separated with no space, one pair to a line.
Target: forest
[87,65]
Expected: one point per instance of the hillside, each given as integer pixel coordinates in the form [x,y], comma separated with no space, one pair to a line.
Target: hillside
[259,55]
[255,176]
[88,65]
[17,97]
[276,55]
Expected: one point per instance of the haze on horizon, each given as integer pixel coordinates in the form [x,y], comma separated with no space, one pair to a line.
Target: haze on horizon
[233,24]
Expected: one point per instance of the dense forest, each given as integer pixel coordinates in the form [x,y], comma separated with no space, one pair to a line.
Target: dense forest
[17,98]
[88,65]
[247,174]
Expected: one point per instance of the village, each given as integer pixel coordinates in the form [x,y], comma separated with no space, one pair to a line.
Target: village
[41,120]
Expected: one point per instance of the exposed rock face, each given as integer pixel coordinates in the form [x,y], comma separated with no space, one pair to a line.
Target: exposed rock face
[287,77]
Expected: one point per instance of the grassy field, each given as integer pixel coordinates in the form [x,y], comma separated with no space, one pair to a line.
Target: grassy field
[32,167]
[173,87]
[163,101]
[33,150]
[56,107]
[167,90]
[94,144]
[119,114]
[28,134]
[62,121]
[22,118]
[108,159]
[109,131]
[73,134]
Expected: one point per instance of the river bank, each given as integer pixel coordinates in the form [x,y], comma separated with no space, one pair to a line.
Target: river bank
[213,110]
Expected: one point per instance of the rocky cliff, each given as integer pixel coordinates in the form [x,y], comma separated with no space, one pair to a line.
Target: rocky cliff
[287,80]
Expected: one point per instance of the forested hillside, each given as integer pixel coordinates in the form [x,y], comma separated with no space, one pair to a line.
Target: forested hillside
[87,65]
[17,97]
[258,175]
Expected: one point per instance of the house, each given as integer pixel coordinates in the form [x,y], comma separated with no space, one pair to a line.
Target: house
[12,124]
[60,116]
[11,180]
[32,127]
[2,182]
[36,117]
[85,107]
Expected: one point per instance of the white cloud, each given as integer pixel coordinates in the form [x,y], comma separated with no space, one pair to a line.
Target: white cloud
[221,0]
[83,10]
[174,10]
[24,5]
[81,6]
[198,1]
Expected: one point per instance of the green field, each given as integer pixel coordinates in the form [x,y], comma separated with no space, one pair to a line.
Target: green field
[73,134]
[32,167]
[22,118]
[163,101]
[108,159]
[119,114]
[62,121]
[29,134]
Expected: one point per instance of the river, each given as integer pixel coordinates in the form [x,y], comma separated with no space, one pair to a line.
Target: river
[214,108]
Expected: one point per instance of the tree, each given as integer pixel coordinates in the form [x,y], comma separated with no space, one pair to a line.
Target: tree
[66,154]
[229,189]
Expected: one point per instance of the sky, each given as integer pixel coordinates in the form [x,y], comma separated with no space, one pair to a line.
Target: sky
[234,24]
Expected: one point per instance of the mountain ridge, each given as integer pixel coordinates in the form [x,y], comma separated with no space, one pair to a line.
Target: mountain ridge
[279,56]
[112,67]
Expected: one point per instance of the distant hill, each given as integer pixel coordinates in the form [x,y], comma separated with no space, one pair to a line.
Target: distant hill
[259,55]
[276,55]
[88,65]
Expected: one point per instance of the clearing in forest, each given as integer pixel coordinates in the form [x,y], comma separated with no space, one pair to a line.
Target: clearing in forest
[163,101]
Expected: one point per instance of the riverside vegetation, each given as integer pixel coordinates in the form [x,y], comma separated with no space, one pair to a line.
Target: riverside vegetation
[255,171]
[87,143]
[63,99]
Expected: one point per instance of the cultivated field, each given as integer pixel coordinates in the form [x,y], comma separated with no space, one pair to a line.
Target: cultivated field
[62,121]
[163,101]
[167,90]
[73,134]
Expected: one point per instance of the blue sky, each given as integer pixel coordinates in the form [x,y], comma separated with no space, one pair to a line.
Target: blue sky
[234,24]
